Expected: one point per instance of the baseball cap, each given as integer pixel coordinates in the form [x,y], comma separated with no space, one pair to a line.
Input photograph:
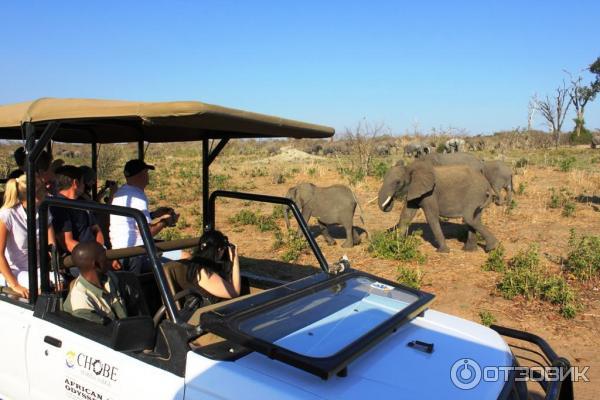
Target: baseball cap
[134,167]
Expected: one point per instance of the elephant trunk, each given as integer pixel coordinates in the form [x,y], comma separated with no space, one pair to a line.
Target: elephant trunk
[385,199]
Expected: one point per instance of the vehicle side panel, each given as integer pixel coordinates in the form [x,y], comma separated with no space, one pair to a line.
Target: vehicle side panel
[82,368]
[14,328]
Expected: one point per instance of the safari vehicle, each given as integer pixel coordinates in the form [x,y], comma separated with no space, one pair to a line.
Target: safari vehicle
[337,334]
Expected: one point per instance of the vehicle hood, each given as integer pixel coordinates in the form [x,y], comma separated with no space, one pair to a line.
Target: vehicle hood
[391,368]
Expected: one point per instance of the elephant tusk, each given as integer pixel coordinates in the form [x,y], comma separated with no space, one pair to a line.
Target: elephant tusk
[386,202]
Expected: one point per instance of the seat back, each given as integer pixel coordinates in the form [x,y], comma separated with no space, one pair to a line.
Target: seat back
[132,293]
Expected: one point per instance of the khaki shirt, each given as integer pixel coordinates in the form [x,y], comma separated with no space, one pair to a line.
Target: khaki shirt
[87,301]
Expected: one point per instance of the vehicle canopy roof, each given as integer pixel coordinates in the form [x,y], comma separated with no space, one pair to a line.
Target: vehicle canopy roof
[115,121]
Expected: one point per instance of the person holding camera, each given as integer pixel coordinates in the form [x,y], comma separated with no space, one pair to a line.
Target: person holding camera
[214,269]
[123,230]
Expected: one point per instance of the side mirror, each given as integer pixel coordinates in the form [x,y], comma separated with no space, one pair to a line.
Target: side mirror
[133,334]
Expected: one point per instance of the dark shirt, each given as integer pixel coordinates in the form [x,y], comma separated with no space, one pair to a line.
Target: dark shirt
[78,222]
[15,174]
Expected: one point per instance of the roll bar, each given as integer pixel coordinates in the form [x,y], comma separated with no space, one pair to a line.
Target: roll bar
[268,199]
[142,225]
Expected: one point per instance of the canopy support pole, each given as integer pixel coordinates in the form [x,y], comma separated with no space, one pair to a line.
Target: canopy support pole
[141,150]
[95,168]
[208,156]
[33,150]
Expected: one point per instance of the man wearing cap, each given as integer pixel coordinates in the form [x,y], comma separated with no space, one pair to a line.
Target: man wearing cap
[123,230]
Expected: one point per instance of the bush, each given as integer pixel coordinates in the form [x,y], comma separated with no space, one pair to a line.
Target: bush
[380,169]
[522,163]
[568,209]
[264,223]
[583,259]
[525,277]
[487,318]
[521,189]
[511,206]
[218,181]
[411,277]
[495,260]
[294,242]
[354,175]
[566,164]
[559,198]
[396,246]
[585,137]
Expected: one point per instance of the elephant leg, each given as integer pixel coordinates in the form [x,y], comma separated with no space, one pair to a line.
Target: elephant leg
[471,243]
[475,222]
[355,236]
[349,242]
[509,192]
[499,195]
[325,232]
[433,219]
[407,215]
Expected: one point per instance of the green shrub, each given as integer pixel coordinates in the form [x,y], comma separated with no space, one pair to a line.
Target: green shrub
[218,181]
[312,171]
[521,189]
[522,163]
[585,137]
[353,175]
[566,164]
[568,209]
[380,169]
[495,260]
[295,243]
[264,223]
[411,277]
[525,277]
[396,246]
[559,198]
[511,206]
[170,234]
[278,211]
[487,318]
[583,259]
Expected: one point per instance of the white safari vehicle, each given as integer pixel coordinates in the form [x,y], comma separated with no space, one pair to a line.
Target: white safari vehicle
[336,334]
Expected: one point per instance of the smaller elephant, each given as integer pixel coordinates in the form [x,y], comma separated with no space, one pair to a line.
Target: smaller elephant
[416,150]
[453,191]
[329,205]
[454,145]
[595,140]
[500,176]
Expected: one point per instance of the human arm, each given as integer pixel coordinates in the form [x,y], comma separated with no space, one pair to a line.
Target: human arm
[219,287]
[11,280]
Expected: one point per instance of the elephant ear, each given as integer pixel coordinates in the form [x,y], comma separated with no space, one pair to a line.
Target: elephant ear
[422,181]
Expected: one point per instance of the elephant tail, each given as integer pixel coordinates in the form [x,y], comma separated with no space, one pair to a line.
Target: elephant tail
[360,210]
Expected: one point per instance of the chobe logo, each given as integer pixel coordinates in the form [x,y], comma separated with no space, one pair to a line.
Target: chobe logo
[465,373]
[70,359]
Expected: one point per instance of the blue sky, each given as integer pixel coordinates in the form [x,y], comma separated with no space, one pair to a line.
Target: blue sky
[431,64]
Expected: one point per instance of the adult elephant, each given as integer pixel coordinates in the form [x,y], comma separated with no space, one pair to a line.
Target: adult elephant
[595,140]
[438,159]
[416,150]
[329,205]
[452,191]
[454,145]
[500,176]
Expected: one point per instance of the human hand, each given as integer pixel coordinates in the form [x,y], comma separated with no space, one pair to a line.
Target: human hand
[116,265]
[161,212]
[232,250]
[21,291]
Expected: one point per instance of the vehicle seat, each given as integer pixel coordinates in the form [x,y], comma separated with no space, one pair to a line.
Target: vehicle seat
[133,295]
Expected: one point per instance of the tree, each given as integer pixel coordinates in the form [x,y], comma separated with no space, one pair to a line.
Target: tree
[362,142]
[531,109]
[581,94]
[554,111]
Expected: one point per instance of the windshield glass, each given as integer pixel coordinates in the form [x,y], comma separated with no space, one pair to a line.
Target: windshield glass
[326,321]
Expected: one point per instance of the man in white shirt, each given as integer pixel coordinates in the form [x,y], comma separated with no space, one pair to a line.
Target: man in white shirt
[123,230]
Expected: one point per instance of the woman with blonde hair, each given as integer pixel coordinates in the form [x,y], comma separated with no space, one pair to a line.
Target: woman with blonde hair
[13,234]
